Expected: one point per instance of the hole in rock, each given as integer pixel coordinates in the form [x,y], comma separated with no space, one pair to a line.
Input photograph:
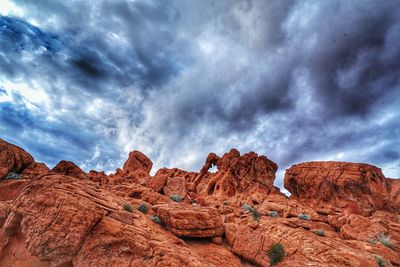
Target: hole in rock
[213,169]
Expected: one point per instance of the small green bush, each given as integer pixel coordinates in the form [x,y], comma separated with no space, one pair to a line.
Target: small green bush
[156,219]
[13,175]
[176,198]
[381,262]
[256,215]
[372,241]
[385,240]
[247,207]
[276,253]
[273,213]
[128,207]
[303,216]
[319,232]
[143,208]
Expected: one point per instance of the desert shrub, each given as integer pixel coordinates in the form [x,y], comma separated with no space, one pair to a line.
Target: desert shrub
[256,215]
[319,232]
[372,241]
[247,207]
[385,240]
[176,198]
[143,208]
[273,213]
[303,216]
[13,175]
[381,262]
[128,207]
[156,219]
[276,253]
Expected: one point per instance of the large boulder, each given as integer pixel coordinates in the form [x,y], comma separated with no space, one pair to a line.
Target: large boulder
[136,169]
[190,220]
[354,187]
[137,161]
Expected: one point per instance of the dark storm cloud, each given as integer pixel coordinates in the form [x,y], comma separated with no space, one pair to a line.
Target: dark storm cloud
[295,80]
[351,66]
[354,64]
[19,37]
[88,66]
[67,138]
[85,61]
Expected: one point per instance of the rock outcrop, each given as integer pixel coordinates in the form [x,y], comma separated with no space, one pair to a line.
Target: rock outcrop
[190,221]
[70,169]
[14,160]
[238,177]
[303,248]
[357,188]
[136,169]
[339,214]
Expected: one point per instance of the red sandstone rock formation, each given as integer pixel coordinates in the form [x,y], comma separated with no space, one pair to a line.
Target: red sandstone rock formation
[239,177]
[99,177]
[190,220]
[14,159]
[339,214]
[69,168]
[357,188]
[136,169]
[61,220]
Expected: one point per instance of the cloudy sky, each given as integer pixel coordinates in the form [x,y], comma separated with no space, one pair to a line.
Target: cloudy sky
[89,81]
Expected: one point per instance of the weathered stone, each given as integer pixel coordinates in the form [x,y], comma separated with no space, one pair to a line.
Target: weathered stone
[190,221]
[357,188]
[69,168]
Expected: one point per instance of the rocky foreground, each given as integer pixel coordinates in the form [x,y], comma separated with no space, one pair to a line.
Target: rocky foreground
[339,214]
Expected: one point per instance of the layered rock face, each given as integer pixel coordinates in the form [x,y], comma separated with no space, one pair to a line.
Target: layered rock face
[191,221]
[357,188]
[339,214]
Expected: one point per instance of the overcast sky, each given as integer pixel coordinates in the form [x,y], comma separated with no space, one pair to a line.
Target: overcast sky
[89,81]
